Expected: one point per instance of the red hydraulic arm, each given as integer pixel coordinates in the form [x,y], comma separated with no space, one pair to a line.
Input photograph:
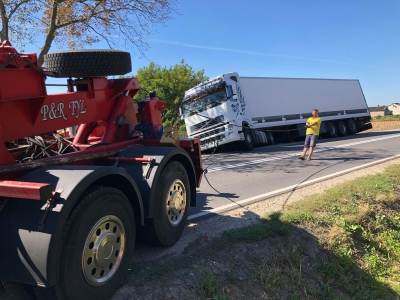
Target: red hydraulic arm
[102,109]
[27,110]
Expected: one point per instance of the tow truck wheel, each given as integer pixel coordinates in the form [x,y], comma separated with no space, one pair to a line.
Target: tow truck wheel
[99,245]
[171,203]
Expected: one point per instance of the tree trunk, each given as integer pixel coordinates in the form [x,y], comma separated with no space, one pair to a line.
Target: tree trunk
[4,22]
[51,33]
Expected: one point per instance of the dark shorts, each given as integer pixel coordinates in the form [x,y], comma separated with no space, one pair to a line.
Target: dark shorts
[311,140]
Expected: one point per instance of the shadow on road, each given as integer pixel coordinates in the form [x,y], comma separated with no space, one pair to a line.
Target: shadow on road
[291,163]
[231,157]
[271,258]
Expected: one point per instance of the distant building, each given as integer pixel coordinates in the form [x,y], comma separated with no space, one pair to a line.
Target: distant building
[379,111]
[394,108]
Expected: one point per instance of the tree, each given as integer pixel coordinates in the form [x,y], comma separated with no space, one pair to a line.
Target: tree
[77,22]
[17,20]
[170,85]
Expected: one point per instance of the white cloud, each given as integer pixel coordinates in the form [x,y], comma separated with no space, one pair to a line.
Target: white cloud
[245,52]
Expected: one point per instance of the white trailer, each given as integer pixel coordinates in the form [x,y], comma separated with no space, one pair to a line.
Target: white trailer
[260,110]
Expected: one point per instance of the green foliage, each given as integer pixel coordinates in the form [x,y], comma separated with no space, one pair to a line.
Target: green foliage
[357,227]
[387,118]
[271,226]
[170,83]
[209,288]
[360,225]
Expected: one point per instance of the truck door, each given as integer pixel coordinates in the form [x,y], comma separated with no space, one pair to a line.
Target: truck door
[235,97]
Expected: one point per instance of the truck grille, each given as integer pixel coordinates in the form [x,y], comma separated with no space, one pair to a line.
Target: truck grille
[212,140]
[210,133]
[207,123]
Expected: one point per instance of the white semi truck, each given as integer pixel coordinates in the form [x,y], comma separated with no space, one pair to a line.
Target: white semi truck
[261,110]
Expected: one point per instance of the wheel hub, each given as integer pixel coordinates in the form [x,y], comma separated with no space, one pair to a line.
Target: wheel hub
[105,248]
[103,251]
[176,202]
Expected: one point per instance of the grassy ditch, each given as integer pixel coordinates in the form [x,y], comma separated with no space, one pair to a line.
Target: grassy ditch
[341,244]
[356,227]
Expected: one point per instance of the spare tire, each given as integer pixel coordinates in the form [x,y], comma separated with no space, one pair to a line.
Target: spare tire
[87,63]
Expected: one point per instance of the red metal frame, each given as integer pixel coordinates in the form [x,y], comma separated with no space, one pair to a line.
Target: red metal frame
[102,108]
[25,190]
[27,110]
[141,160]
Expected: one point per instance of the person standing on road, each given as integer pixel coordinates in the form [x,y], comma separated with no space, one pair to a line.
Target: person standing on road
[313,126]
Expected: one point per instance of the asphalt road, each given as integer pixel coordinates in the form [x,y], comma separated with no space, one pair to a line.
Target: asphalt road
[233,177]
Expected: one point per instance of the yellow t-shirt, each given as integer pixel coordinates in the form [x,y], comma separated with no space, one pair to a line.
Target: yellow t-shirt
[315,125]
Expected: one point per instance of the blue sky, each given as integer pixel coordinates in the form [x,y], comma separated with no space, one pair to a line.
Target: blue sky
[285,38]
[288,38]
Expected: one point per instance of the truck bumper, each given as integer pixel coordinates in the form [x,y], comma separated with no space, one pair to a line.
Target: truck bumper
[222,141]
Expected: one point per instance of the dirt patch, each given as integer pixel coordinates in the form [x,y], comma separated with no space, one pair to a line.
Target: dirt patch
[225,270]
[380,125]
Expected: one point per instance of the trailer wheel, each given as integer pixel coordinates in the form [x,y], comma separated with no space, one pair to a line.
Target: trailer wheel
[270,138]
[257,138]
[342,128]
[248,143]
[331,128]
[87,63]
[172,199]
[98,248]
[264,138]
[351,126]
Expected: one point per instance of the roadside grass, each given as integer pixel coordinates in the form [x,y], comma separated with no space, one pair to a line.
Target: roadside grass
[343,243]
[386,118]
[357,226]
[209,287]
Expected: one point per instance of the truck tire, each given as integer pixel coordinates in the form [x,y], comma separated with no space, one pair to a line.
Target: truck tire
[324,129]
[248,143]
[172,199]
[257,138]
[342,128]
[270,138]
[264,138]
[351,126]
[98,248]
[87,63]
[332,130]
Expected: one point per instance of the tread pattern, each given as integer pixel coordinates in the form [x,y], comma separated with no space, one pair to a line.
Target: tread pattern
[88,63]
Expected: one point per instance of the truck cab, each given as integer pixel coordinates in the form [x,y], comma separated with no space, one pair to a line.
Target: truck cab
[214,111]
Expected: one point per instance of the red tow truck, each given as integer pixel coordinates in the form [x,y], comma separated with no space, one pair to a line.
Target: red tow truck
[82,173]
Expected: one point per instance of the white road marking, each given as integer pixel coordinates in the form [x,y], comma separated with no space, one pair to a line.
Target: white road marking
[284,156]
[287,189]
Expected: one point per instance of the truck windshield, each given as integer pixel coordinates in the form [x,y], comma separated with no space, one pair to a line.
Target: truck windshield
[193,106]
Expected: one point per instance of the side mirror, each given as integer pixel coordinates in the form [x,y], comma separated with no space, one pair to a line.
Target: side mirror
[234,78]
[229,92]
[180,113]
